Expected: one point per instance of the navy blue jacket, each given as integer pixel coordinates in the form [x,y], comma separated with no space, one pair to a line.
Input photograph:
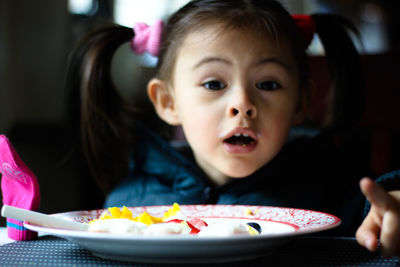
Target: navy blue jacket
[309,173]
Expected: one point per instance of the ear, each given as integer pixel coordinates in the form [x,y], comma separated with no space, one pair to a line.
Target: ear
[304,102]
[163,101]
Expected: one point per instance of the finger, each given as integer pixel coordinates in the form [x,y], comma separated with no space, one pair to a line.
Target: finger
[375,194]
[367,234]
[390,233]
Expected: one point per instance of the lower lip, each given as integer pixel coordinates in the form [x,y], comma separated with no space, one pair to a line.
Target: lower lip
[240,148]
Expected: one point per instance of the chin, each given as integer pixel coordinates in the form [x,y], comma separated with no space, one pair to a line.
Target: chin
[240,173]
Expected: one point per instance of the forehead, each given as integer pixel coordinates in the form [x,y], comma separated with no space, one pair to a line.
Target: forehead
[222,40]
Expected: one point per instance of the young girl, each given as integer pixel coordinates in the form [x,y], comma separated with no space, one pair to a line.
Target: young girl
[234,75]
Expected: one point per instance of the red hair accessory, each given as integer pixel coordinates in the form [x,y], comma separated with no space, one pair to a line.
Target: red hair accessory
[147,38]
[306,25]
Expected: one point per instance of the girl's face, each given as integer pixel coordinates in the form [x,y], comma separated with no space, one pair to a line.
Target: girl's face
[236,95]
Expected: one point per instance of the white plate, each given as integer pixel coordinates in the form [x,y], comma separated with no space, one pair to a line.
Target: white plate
[278,226]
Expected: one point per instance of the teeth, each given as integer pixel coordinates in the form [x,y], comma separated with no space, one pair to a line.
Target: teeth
[240,139]
[239,134]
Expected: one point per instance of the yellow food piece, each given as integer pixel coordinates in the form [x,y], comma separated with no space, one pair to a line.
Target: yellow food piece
[147,219]
[251,230]
[250,212]
[116,213]
[125,213]
[171,212]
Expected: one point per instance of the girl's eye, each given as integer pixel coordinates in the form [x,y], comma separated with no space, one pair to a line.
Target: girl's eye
[268,86]
[214,85]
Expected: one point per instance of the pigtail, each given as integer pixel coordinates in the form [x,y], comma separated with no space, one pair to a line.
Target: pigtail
[345,65]
[105,118]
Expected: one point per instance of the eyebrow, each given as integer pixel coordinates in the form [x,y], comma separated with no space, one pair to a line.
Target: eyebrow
[211,59]
[276,61]
[227,62]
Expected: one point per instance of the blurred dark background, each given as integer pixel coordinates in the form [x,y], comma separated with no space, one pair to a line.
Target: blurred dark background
[38,113]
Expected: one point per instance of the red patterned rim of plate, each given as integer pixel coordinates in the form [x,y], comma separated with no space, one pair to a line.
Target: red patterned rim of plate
[297,218]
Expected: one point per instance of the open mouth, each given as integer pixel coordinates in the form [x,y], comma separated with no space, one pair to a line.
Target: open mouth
[240,140]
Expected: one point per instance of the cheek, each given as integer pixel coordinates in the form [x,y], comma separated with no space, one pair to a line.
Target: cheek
[280,131]
[199,118]
[199,127]
[276,119]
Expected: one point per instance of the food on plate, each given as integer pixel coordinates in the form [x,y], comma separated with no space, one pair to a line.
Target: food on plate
[228,229]
[250,212]
[173,222]
[255,226]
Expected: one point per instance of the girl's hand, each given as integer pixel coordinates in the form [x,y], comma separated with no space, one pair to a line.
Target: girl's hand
[382,221]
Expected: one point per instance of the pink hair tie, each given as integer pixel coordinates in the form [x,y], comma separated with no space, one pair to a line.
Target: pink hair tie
[147,38]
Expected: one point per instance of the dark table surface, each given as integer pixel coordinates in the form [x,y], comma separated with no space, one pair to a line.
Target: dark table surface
[303,251]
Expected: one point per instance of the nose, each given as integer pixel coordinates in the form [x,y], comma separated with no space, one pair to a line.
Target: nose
[242,105]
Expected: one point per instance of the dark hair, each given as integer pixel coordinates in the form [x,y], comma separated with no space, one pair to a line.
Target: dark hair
[107,122]
[104,115]
[348,93]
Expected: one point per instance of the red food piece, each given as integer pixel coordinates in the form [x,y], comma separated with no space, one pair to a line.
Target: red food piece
[193,230]
[198,223]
